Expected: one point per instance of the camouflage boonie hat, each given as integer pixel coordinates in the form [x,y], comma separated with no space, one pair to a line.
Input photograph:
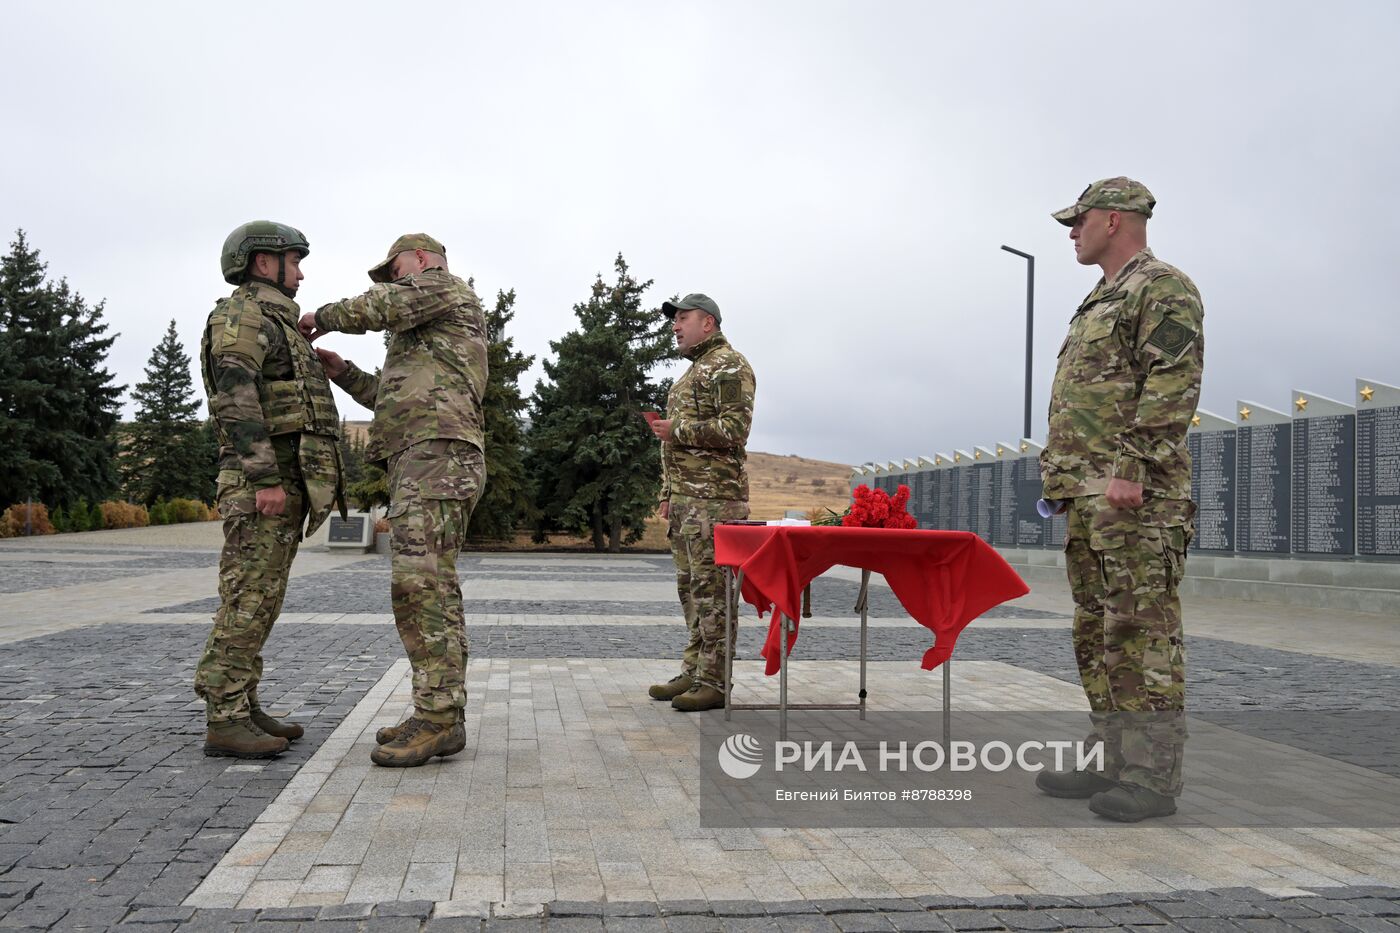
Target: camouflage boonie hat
[1111,194]
[692,302]
[408,241]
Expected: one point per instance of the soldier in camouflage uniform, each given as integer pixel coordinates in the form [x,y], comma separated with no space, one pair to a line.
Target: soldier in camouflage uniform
[1126,386]
[278,467]
[428,427]
[708,414]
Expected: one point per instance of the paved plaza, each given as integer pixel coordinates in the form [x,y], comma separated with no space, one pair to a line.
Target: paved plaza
[576,803]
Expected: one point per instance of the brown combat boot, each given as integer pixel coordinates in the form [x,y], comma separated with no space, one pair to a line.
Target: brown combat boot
[239,738]
[671,688]
[699,698]
[272,726]
[418,741]
[388,733]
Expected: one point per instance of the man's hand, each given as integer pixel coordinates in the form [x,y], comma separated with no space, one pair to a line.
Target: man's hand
[1123,494]
[271,501]
[665,510]
[332,362]
[307,326]
[661,427]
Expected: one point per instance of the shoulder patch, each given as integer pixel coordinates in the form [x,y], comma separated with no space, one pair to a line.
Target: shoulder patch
[729,388]
[1171,338]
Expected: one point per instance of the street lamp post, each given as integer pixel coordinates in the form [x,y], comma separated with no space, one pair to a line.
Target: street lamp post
[1030,325]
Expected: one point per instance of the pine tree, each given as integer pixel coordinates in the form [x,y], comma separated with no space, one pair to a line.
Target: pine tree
[507,502]
[164,455]
[594,462]
[59,400]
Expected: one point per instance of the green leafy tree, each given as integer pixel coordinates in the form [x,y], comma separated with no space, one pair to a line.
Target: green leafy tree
[592,458]
[58,398]
[507,503]
[165,453]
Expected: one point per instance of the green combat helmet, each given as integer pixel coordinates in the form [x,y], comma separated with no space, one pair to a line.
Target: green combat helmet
[258,236]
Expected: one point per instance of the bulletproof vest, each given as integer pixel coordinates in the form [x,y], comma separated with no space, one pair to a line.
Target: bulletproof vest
[301,405]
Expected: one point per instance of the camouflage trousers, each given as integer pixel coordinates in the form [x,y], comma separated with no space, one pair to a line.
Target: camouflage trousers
[700,584]
[433,487]
[253,568]
[1124,566]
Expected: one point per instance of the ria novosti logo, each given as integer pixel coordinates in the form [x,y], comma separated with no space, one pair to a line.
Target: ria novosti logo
[741,756]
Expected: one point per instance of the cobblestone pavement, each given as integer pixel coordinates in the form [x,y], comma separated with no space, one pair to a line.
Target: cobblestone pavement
[110,817]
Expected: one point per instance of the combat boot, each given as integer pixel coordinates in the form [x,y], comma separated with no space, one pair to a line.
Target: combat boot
[1129,803]
[671,688]
[1077,785]
[698,698]
[418,741]
[272,726]
[239,738]
[387,734]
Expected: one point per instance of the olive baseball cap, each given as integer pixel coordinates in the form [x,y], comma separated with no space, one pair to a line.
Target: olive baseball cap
[1111,194]
[692,302]
[408,241]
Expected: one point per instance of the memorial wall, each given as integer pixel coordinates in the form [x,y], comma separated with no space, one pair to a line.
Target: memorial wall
[1320,480]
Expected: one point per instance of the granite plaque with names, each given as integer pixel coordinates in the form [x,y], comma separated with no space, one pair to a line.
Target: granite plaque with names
[1377,470]
[963,487]
[1031,529]
[1004,483]
[1212,443]
[1324,476]
[917,490]
[1263,480]
[943,493]
[984,497]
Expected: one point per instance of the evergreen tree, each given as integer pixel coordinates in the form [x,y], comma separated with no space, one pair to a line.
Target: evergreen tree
[594,461]
[352,454]
[59,401]
[507,502]
[164,453]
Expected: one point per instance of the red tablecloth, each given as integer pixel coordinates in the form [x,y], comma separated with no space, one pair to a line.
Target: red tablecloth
[944,579]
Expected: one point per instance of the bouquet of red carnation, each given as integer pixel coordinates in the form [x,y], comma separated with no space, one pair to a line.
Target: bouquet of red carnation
[873,508]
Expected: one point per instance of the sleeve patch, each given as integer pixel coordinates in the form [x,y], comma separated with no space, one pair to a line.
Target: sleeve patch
[1171,338]
[730,391]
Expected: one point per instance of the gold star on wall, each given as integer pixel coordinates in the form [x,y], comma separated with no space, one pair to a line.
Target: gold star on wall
[1245,413]
[1195,421]
[1366,393]
[957,458]
[977,455]
[937,461]
[1301,402]
[1000,450]
[1025,447]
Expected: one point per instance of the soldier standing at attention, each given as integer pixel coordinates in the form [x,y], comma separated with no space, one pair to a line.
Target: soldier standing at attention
[428,427]
[1125,390]
[708,415]
[278,466]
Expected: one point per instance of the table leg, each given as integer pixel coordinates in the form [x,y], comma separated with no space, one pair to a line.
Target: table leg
[864,624]
[728,642]
[947,702]
[782,680]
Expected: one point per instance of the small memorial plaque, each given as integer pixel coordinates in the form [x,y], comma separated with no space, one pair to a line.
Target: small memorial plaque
[354,531]
[1004,482]
[1212,443]
[984,493]
[1324,477]
[1263,476]
[963,486]
[1377,469]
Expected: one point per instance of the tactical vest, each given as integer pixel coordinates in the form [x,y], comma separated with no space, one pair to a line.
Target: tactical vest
[301,405]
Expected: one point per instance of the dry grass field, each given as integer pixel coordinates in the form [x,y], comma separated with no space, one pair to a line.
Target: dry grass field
[777,484]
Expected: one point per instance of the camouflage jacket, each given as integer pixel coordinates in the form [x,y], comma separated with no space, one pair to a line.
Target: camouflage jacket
[261,385]
[711,409]
[435,368]
[1126,386]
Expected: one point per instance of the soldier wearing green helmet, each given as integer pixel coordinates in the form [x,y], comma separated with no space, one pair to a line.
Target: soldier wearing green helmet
[279,473]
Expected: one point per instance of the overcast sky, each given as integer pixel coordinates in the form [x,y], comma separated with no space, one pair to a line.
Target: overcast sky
[839,177]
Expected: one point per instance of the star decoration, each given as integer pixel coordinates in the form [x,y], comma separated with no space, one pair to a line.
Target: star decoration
[1000,450]
[1366,393]
[1245,413]
[1025,447]
[1195,421]
[937,461]
[977,455]
[957,458]
[1301,402]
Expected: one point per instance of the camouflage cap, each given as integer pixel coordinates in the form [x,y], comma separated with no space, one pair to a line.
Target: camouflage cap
[408,241]
[1111,194]
[692,302]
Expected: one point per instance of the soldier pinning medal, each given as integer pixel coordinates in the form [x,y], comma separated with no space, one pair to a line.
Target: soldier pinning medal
[428,431]
[1126,386]
[704,481]
[279,469]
